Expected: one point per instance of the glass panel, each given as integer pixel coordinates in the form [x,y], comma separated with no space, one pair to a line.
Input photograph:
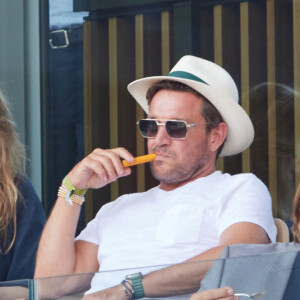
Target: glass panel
[16,290]
[271,275]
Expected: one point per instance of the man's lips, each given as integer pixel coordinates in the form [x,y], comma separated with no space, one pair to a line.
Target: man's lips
[162,155]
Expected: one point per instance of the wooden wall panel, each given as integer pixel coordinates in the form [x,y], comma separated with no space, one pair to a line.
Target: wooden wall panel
[256,41]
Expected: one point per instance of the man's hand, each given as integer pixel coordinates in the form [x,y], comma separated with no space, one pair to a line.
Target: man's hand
[100,168]
[117,293]
[225,293]
[113,293]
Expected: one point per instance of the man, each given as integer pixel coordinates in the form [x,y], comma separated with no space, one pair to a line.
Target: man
[193,115]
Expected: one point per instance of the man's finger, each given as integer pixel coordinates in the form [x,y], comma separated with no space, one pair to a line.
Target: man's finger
[225,293]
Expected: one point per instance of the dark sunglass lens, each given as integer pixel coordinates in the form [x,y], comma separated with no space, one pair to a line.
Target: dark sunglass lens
[148,128]
[176,129]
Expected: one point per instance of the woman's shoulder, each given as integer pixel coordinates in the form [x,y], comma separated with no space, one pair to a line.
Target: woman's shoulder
[23,182]
[28,200]
[25,187]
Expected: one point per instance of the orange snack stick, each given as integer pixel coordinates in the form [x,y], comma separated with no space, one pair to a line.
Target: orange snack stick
[139,160]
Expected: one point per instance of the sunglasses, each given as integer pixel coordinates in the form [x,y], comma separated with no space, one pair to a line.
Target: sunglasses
[176,129]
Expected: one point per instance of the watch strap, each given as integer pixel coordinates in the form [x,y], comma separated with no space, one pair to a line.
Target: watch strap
[137,285]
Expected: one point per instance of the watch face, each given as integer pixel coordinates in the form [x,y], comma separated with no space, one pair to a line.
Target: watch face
[135,275]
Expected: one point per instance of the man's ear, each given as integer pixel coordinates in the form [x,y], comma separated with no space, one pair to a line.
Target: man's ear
[217,136]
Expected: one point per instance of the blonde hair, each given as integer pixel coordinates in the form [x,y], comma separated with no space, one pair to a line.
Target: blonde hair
[12,156]
[296,216]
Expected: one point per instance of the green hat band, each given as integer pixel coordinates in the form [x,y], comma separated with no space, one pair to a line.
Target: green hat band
[186,75]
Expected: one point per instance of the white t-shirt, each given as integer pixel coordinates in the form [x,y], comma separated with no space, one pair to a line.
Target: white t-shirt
[160,227]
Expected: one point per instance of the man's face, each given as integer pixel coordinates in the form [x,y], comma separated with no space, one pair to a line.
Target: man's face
[179,160]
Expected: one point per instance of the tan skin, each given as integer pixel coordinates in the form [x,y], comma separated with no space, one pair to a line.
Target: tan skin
[59,255]
[225,293]
[175,154]
[13,292]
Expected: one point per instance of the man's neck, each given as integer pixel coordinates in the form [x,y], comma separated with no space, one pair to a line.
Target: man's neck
[167,186]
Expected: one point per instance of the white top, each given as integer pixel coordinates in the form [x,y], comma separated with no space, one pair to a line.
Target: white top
[160,227]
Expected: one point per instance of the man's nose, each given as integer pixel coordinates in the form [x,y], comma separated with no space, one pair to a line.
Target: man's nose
[162,136]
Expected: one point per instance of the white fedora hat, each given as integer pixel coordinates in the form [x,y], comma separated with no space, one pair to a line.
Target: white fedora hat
[215,84]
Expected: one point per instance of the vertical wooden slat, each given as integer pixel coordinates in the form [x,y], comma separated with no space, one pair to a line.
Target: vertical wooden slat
[139,70]
[152,66]
[87,79]
[113,93]
[218,34]
[96,106]
[271,102]
[296,37]
[165,42]
[218,57]
[231,45]
[183,29]
[244,12]
[126,107]
[204,22]
[258,92]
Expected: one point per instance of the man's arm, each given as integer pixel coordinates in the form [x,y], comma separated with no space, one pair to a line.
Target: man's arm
[185,278]
[14,292]
[58,254]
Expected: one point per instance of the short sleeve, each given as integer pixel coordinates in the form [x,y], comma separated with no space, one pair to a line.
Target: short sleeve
[91,232]
[251,202]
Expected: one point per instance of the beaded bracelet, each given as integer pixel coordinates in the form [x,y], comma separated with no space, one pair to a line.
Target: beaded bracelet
[70,198]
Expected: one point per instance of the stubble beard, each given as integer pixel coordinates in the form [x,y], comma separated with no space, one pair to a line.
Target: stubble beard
[179,172]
